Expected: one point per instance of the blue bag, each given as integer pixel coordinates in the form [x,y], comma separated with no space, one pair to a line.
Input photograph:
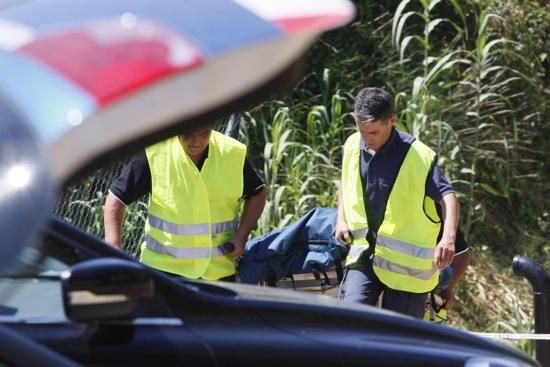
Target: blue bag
[305,246]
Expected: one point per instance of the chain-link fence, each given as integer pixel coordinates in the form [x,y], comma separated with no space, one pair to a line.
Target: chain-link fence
[82,205]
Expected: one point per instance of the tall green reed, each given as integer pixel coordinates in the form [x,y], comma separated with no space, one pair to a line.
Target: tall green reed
[301,157]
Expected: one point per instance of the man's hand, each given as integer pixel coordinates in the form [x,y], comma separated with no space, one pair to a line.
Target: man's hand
[342,232]
[444,252]
[253,207]
[239,243]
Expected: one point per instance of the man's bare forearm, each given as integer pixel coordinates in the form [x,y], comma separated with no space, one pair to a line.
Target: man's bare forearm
[341,230]
[451,211]
[113,217]
[252,210]
[340,202]
[445,249]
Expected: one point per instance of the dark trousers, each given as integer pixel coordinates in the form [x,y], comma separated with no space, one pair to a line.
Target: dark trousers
[360,284]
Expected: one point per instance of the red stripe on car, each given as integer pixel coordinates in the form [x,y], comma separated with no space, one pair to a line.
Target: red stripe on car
[109,59]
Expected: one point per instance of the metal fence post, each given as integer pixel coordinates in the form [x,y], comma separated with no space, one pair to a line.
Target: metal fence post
[540,281]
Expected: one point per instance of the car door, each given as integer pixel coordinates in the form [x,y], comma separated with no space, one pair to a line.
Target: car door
[16,350]
[32,299]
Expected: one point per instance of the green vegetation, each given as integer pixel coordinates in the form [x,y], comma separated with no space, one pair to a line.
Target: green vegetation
[471,80]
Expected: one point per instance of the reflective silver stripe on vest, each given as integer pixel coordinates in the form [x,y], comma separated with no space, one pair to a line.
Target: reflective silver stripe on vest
[191,229]
[405,248]
[182,253]
[179,229]
[400,269]
[222,227]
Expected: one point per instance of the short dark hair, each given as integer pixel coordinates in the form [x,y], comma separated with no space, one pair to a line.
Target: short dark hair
[192,127]
[373,104]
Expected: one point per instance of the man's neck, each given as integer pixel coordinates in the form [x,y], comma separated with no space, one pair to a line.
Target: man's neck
[199,159]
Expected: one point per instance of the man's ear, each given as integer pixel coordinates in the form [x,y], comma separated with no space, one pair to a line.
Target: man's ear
[393,119]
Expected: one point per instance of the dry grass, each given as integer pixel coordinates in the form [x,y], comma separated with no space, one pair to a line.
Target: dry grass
[490,300]
[487,296]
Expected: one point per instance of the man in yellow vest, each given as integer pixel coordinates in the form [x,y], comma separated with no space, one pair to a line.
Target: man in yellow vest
[386,211]
[197,182]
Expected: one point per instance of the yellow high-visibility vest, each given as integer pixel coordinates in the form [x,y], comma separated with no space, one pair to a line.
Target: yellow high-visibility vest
[406,239]
[191,212]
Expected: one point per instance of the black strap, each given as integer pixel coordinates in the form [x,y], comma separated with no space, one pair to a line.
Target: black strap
[339,271]
[317,271]
[293,283]
[270,280]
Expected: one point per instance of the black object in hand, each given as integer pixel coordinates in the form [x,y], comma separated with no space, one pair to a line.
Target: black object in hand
[227,247]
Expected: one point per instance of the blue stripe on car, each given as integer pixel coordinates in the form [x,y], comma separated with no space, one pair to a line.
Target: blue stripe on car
[26,86]
[209,24]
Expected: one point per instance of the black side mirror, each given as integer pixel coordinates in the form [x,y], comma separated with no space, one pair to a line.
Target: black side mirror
[106,289]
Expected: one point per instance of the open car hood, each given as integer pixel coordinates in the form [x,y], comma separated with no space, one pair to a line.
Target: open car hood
[84,81]
[92,77]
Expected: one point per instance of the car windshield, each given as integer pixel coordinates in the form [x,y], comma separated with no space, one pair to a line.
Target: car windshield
[42,262]
[31,287]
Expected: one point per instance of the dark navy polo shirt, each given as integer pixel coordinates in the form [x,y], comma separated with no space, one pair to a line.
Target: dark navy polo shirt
[379,171]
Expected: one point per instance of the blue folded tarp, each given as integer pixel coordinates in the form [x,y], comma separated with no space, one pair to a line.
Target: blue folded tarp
[304,246]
